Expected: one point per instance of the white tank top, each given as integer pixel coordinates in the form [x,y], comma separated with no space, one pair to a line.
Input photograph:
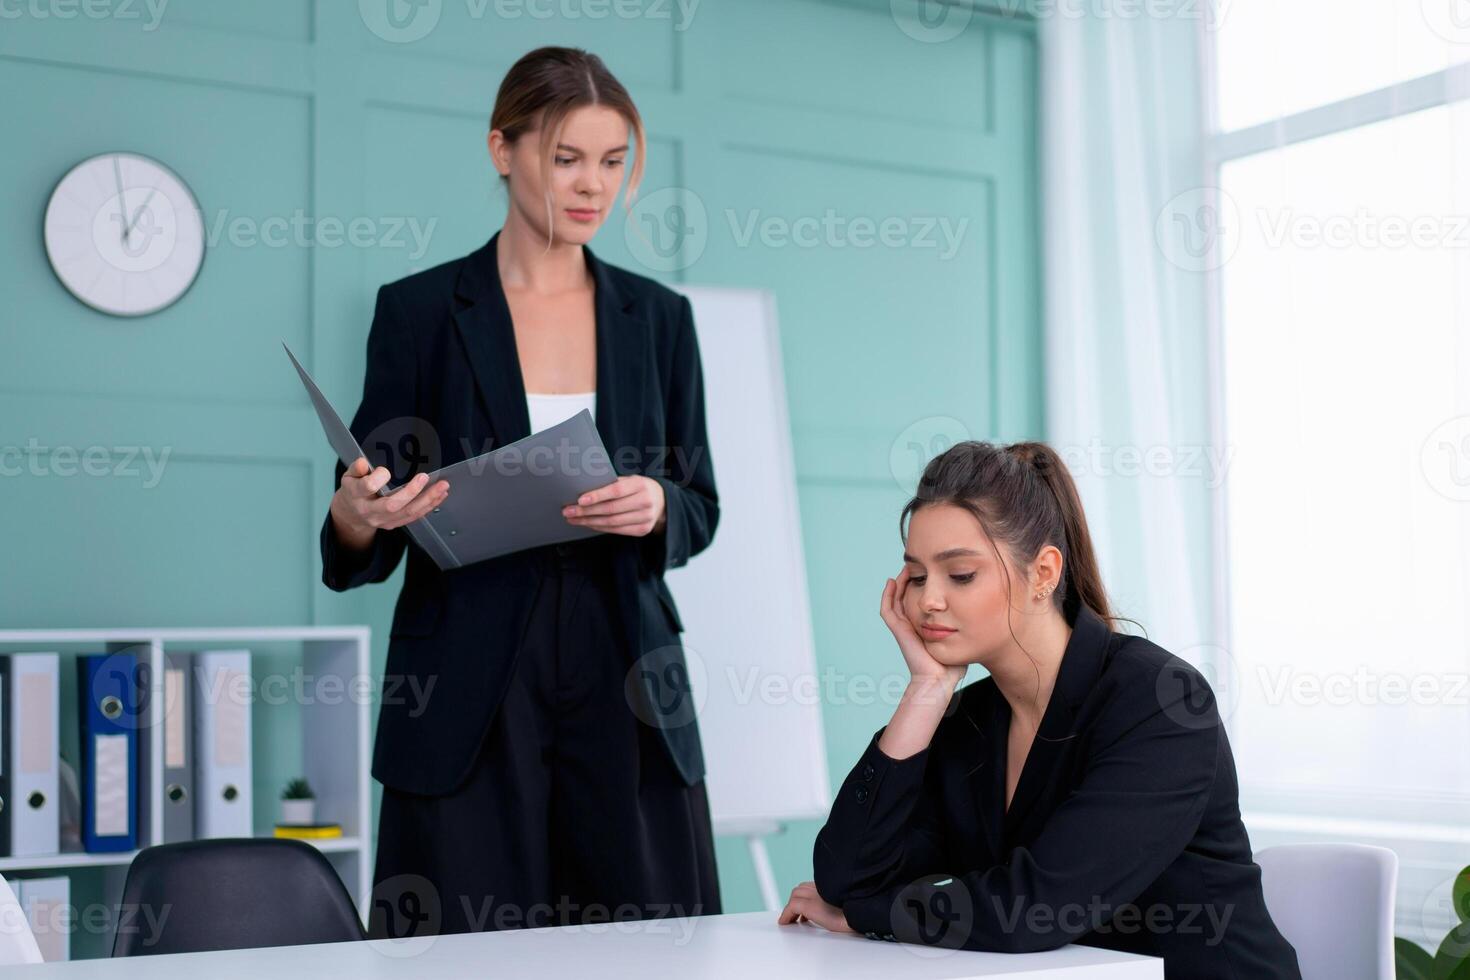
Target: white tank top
[547,410]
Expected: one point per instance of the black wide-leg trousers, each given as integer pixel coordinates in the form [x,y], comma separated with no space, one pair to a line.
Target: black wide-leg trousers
[573,813]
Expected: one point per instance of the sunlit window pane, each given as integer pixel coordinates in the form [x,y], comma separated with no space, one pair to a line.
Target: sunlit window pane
[1277,57]
[1347,406]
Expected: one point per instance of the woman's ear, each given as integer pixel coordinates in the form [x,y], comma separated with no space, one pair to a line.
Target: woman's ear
[1046,570]
[499,152]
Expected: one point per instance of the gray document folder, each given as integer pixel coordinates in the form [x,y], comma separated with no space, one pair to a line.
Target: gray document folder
[502,501]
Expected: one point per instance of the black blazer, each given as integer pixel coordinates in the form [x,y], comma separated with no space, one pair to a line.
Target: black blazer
[1124,831]
[441,352]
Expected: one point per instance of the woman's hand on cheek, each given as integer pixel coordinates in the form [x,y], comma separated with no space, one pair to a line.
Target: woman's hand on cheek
[922,664]
[805,905]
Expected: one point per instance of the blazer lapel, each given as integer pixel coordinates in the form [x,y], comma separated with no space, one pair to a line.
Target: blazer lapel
[489,340]
[987,727]
[1081,663]
[485,328]
[623,344]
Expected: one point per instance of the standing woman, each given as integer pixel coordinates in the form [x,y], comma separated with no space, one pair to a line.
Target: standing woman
[1084,792]
[529,779]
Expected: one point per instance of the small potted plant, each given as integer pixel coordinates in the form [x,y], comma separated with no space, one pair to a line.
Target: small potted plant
[298,803]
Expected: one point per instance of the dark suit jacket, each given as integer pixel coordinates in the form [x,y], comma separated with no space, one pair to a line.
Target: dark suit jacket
[442,367]
[1124,831]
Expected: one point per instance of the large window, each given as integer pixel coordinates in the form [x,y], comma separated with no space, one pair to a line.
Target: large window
[1343,166]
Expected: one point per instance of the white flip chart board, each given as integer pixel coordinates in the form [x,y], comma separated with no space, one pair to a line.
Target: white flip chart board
[743,601]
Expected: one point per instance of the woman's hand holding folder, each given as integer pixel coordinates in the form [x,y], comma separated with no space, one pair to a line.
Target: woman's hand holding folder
[359,513]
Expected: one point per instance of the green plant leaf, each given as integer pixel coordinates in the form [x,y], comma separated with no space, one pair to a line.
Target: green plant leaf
[1410,960]
[297,789]
[1452,961]
[1460,894]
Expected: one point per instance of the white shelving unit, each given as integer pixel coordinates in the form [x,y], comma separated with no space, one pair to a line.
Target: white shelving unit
[334,735]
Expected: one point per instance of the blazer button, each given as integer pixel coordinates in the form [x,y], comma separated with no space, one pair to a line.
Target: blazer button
[870,934]
[862,794]
[867,772]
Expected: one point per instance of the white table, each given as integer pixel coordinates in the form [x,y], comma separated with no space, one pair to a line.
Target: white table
[715,947]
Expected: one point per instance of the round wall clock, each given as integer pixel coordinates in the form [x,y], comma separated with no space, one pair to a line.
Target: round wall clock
[124,234]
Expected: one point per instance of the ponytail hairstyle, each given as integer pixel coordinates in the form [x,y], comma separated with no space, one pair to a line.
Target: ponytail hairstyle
[1024,498]
[548,83]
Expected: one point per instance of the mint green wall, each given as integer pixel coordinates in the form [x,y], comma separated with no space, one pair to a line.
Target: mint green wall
[759,109]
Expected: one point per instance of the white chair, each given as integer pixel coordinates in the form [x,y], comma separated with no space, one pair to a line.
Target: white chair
[1334,903]
[17,942]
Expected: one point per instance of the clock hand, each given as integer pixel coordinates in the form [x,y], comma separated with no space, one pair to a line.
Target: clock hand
[141,208]
[121,200]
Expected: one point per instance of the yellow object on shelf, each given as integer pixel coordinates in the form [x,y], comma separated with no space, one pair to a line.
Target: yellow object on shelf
[309,831]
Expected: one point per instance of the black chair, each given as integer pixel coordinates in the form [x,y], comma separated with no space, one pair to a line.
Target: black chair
[232,893]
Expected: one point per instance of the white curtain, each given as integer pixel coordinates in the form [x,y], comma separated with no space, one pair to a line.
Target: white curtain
[1127,342]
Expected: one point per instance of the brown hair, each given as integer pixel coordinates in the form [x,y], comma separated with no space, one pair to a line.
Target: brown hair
[548,83]
[1024,497]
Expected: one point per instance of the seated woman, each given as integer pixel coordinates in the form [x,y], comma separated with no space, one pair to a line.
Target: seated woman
[1083,792]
